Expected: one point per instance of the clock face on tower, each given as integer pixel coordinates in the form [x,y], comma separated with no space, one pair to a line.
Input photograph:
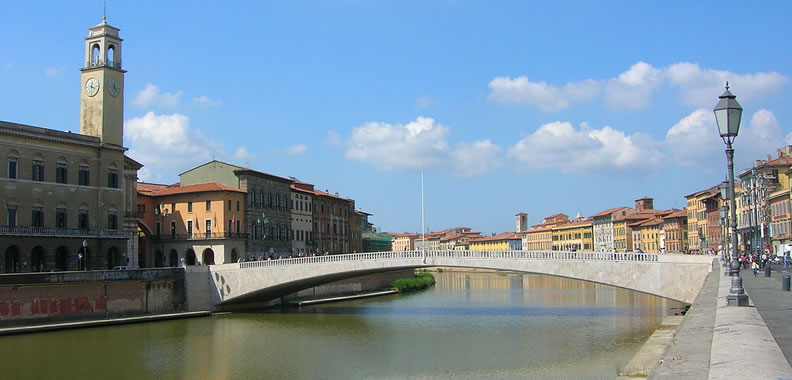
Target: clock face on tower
[113,87]
[91,86]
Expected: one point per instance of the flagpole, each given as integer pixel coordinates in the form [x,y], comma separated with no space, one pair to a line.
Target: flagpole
[423,217]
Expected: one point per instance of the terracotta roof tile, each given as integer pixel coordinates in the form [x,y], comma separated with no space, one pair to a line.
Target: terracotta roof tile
[498,237]
[608,211]
[197,188]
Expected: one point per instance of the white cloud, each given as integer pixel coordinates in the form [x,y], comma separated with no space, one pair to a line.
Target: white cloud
[242,154]
[695,141]
[698,87]
[51,72]
[423,101]
[520,90]
[634,87]
[762,136]
[418,145]
[205,101]
[151,95]
[296,150]
[166,144]
[560,145]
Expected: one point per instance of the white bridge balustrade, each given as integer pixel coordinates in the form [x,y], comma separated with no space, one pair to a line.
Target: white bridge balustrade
[678,277]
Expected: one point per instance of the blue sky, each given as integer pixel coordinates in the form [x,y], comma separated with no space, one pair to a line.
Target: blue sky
[537,107]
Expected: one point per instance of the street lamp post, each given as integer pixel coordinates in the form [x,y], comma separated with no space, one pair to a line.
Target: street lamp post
[263,222]
[724,212]
[162,212]
[727,114]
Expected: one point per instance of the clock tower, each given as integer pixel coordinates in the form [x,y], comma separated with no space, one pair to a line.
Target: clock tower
[102,92]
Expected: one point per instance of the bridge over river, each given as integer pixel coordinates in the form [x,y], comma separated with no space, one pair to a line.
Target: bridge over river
[673,276]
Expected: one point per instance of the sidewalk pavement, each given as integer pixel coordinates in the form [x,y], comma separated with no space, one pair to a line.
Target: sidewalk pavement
[773,303]
[742,345]
[716,341]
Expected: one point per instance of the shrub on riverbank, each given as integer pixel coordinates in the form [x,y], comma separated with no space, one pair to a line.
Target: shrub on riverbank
[421,281]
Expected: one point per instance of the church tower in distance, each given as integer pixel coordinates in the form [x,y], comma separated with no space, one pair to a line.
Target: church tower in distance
[102,93]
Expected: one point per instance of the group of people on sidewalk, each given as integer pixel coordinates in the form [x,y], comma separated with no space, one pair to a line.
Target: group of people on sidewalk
[757,263]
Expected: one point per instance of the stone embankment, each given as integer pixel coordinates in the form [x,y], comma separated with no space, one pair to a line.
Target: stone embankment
[715,341]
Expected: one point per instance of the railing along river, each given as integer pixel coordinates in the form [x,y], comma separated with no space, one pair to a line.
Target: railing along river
[513,255]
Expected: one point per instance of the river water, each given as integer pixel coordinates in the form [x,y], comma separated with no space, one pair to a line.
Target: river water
[471,325]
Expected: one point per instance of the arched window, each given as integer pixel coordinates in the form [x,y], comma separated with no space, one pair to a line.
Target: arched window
[95,60]
[110,56]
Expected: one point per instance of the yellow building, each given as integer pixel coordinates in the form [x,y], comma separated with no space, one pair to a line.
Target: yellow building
[650,235]
[507,241]
[697,218]
[577,235]
[538,239]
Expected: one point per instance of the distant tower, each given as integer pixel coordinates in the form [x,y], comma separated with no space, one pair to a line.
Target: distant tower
[102,99]
[644,203]
[579,216]
[520,222]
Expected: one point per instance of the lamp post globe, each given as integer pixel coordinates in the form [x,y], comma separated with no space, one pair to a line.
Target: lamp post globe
[728,114]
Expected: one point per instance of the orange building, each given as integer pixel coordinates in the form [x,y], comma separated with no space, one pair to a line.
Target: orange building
[190,225]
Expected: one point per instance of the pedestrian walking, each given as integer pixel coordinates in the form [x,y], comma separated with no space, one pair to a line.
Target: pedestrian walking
[754,268]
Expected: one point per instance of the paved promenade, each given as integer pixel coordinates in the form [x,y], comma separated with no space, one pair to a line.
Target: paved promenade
[720,342]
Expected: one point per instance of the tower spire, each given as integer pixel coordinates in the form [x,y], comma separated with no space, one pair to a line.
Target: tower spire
[104,11]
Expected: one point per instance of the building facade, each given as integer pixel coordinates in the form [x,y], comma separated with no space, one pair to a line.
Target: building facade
[302,199]
[573,236]
[331,217]
[268,204]
[69,199]
[675,232]
[200,224]
[507,241]
[602,227]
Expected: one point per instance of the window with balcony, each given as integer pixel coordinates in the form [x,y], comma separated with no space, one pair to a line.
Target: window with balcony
[83,220]
[61,173]
[37,217]
[112,178]
[112,220]
[12,167]
[208,227]
[11,216]
[60,218]
[189,228]
[38,170]
[83,177]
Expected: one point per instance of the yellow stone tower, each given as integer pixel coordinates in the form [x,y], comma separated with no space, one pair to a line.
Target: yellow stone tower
[102,94]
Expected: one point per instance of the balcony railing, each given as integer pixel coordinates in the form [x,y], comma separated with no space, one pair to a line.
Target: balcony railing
[102,63]
[202,236]
[61,232]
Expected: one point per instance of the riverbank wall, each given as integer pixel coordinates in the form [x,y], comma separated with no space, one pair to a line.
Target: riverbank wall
[32,298]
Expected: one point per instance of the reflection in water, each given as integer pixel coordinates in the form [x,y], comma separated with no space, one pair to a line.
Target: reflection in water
[493,325]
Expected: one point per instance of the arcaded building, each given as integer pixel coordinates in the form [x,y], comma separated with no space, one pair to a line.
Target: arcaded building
[68,200]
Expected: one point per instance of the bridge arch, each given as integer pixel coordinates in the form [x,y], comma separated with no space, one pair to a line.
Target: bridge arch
[677,277]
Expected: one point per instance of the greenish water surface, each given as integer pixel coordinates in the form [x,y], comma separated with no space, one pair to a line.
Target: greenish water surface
[470,325]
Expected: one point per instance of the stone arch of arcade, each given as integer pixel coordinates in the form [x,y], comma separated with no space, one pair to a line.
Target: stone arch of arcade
[147,249]
[677,277]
